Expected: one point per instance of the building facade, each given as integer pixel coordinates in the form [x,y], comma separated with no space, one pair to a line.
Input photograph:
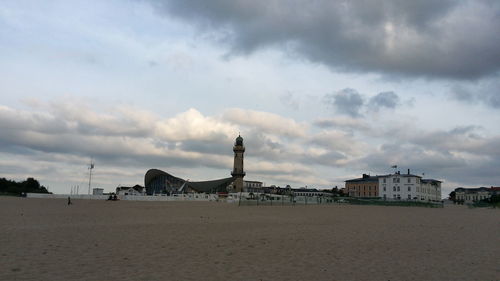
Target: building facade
[429,190]
[399,186]
[136,190]
[97,191]
[474,194]
[366,186]
[252,184]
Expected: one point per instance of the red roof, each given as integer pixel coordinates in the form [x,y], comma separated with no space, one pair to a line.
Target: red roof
[493,188]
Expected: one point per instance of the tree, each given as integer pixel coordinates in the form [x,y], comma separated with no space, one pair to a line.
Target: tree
[16,188]
[452,196]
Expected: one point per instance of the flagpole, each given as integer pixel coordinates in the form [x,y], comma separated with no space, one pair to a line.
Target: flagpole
[395,167]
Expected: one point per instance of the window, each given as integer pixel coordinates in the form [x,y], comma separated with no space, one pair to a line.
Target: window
[384,180]
[409,196]
[409,180]
[394,196]
[384,188]
[398,188]
[393,188]
[409,189]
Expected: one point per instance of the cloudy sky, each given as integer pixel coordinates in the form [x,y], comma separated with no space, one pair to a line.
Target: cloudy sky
[321,91]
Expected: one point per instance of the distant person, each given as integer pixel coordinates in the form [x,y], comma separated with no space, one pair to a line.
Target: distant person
[69,201]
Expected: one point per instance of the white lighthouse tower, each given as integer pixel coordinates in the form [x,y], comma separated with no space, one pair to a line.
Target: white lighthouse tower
[238,172]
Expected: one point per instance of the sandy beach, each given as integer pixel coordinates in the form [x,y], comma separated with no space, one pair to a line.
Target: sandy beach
[45,239]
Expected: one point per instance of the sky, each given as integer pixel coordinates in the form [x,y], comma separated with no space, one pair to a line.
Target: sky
[321,91]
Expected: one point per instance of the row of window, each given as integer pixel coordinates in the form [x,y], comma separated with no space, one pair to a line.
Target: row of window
[360,194]
[364,187]
[398,180]
[397,188]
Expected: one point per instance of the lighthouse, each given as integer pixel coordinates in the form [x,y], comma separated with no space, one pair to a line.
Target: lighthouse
[238,172]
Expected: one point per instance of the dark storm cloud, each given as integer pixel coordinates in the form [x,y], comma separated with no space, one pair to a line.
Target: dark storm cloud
[459,155]
[347,101]
[384,99]
[220,148]
[486,93]
[116,138]
[426,38]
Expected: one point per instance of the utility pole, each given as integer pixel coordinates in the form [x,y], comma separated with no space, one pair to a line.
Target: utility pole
[90,172]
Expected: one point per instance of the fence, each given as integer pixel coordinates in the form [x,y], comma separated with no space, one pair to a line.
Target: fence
[409,203]
[176,197]
[278,200]
[482,204]
[247,199]
[287,200]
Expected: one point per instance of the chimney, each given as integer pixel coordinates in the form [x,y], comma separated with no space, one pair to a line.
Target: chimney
[408,171]
[366,176]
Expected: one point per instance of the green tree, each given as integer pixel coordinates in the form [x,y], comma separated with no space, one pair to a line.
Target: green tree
[452,196]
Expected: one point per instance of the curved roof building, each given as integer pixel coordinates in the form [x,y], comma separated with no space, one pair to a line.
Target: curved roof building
[160,182]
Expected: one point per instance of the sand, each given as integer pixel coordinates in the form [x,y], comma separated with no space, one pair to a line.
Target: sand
[44,239]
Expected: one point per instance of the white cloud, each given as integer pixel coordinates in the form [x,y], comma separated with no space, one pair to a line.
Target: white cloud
[266,122]
[193,125]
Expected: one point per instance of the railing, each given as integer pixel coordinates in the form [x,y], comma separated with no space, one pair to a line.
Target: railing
[286,200]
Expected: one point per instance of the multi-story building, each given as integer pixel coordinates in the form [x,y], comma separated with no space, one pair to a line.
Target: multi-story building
[395,186]
[366,186]
[409,187]
[475,194]
[429,190]
[252,184]
[399,186]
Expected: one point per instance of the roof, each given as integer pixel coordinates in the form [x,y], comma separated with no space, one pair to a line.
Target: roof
[401,175]
[468,190]
[200,186]
[153,173]
[135,187]
[429,180]
[303,189]
[365,179]
[211,186]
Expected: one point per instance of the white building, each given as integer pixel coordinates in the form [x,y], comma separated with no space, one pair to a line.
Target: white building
[409,187]
[304,191]
[97,191]
[252,184]
[136,190]
[473,194]
[429,190]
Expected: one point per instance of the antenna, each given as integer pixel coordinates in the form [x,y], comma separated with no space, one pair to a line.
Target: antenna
[90,173]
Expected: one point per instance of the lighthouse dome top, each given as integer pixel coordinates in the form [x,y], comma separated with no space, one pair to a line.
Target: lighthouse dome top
[239,140]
